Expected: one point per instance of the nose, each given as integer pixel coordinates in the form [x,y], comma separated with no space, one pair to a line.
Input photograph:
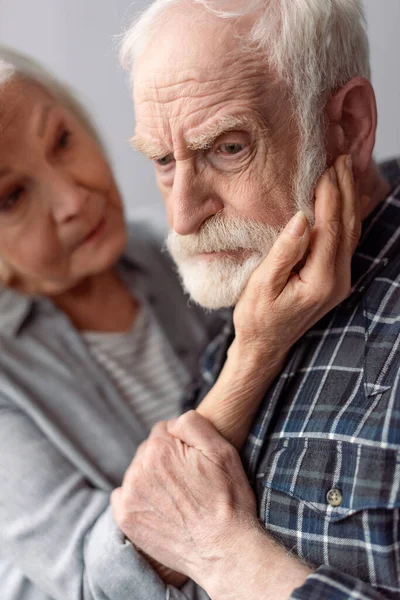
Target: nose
[192,200]
[67,199]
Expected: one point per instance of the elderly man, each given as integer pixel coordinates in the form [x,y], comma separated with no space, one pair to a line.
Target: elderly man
[241,105]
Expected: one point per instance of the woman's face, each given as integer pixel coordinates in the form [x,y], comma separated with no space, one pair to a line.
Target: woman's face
[61,216]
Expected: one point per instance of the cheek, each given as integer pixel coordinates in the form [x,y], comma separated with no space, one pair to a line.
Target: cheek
[37,252]
[258,194]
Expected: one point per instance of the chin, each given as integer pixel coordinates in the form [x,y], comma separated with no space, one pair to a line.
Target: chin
[219,283]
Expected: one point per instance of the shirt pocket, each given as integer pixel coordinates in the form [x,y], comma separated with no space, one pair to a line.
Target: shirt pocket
[335,503]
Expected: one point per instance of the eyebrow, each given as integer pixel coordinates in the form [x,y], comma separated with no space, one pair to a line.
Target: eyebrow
[226,124]
[201,141]
[44,119]
[152,150]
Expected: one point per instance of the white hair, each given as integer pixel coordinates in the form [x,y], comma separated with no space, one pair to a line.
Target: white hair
[314,46]
[14,65]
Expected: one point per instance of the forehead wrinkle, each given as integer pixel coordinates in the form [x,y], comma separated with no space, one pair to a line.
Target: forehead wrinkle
[167,87]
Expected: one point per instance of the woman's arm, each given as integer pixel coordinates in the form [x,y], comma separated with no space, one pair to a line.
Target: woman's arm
[58,529]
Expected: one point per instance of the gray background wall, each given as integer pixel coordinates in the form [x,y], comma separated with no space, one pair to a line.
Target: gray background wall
[77,40]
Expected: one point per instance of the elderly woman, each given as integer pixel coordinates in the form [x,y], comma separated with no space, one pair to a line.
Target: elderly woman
[97,345]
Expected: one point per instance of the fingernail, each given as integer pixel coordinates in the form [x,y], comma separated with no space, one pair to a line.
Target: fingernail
[332,175]
[349,163]
[298,224]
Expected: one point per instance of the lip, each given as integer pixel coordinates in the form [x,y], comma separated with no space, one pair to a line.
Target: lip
[239,254]
[95,233]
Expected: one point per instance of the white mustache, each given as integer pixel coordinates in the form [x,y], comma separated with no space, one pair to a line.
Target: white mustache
[223,234]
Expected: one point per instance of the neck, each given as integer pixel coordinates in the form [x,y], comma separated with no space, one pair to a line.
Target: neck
[99,303]
[373,190]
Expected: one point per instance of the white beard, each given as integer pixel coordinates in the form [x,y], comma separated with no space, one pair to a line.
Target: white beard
[219,282]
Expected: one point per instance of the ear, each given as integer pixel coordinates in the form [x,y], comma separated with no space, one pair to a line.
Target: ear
[352,117]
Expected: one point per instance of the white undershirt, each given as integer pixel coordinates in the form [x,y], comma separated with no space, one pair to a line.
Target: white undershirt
[143,366]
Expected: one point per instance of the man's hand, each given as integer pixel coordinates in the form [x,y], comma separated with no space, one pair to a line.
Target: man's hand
[185,500]
[184,504]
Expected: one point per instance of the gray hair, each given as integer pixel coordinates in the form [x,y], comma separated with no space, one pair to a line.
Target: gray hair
[14,65]
[314,46]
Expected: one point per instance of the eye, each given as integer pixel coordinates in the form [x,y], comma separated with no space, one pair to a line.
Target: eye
[231,151]
[9,201]
[165,161]
[230,148]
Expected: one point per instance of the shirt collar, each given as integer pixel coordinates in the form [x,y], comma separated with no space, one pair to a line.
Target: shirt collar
[15,309]
[380,241]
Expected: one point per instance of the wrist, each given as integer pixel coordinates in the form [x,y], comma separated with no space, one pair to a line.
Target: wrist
[256,566]
[234,399]
[250,359]
[230,579]
[234,564]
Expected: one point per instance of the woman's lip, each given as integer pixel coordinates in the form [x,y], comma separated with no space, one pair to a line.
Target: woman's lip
[96,231]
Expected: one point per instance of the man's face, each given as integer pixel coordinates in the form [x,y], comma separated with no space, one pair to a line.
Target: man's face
[224,149]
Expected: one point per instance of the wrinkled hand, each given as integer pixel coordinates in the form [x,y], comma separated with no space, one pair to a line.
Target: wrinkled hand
[184,501]
[279,305]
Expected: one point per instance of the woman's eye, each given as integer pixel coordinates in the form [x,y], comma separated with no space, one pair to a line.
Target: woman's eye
[165,161]
[231,148]
[8,201]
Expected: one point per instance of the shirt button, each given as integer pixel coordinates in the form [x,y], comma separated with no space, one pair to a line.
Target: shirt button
[334,497]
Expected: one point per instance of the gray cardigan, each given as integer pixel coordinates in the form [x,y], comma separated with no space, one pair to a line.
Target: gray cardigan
[66,439]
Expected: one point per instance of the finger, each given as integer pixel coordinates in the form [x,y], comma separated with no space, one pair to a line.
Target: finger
[273,273]
[351,210]
[197,432]
[141,449]
[136,460]
[325,237]
[115,501]
[158,430]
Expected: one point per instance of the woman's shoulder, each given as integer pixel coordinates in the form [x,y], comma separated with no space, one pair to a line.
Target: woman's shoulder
[142,235]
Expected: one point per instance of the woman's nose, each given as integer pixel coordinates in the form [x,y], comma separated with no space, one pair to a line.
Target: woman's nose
[68,199]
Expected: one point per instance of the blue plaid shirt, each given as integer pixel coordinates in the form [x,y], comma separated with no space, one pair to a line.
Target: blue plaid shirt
[323,455]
